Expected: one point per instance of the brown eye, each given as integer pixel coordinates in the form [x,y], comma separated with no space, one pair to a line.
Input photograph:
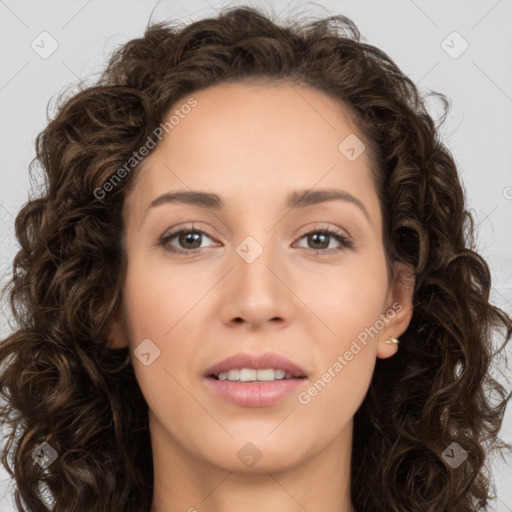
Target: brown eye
[189,240]
[320,238]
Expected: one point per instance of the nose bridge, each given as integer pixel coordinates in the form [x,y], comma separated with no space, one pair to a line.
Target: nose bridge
[257,292]
[256,256]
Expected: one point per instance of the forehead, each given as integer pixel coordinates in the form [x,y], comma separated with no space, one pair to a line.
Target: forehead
[253,142]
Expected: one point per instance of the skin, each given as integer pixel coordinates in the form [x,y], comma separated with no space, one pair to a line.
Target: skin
[252,145]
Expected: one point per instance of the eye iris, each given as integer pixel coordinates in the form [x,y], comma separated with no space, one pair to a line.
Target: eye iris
[314,237]
[184,237]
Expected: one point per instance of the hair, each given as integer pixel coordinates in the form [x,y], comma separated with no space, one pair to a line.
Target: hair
[64,386]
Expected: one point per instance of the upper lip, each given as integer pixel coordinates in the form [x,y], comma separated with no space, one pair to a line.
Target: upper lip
[258,362]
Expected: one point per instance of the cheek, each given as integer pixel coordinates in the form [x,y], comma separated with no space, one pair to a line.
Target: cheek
[346,298]
[157,296]
[156,305]
[347,304]
[345,352]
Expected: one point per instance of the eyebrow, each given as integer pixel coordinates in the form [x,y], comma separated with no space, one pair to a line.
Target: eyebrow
[295,200]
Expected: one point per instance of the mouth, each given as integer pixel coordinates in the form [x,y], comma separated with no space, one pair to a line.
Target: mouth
[250,387]
[252,375]
[244,367]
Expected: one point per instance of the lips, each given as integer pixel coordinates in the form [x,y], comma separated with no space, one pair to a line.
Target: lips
[258,362]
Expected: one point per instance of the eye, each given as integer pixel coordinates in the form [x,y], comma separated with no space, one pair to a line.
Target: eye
[320,238]
[189,240]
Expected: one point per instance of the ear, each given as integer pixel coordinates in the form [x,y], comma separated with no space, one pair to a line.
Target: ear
[116,332]
[398,312]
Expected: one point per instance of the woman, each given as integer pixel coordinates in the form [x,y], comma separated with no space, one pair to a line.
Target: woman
[325,342]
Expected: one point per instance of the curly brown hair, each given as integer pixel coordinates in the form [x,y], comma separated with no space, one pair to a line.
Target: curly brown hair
[63,385]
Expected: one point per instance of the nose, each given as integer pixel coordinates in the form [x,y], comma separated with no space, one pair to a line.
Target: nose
[257,290]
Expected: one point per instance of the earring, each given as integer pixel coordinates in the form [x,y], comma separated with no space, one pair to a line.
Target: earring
[391,340]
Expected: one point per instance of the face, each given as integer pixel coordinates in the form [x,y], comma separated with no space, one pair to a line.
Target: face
[257,275]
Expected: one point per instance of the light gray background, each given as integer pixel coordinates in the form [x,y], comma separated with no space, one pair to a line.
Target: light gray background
[478,82]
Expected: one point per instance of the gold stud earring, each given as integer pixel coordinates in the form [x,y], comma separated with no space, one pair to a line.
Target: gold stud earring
[391,340]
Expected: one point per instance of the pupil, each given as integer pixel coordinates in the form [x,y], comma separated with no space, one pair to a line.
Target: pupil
[185,236]
[321,235]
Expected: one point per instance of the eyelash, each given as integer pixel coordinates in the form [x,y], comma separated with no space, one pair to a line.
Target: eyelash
[345,241]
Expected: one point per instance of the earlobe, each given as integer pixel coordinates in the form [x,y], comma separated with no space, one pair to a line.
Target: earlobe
[400,312]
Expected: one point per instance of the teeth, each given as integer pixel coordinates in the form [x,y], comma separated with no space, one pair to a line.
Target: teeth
[233,374]
[250,374]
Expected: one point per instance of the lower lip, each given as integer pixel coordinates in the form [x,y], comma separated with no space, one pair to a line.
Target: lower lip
[254,394]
